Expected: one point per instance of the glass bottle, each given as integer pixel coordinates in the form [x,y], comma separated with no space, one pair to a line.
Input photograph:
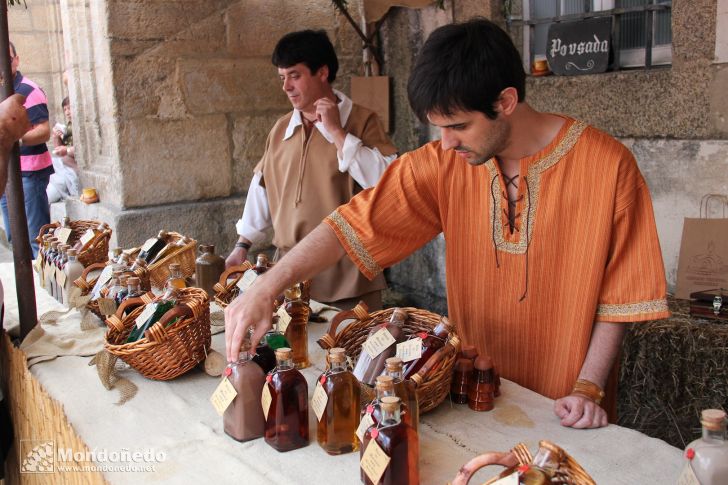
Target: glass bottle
[61,265]
[208,268]
[176,278]
[336,432]
[405,389]
[51,276]
[243,419]
[114,254]
[264,356]
[384,388]
[139,263]
[123,290]
[276,339]
[461,381]
[367,369]
[261,264]
[114,285]
[94,234]
[430,343]
[73,270]
[170,248]
[708,455]
[164,303]
[542,468]
[65,224]
[133,290]
[286,427]
[394,437]
[153,246]
[297,331]
[482,386]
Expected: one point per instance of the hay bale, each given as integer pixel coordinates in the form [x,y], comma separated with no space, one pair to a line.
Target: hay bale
[670,371]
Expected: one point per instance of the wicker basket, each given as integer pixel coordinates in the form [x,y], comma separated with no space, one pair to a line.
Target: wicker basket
[226,291]
[185,257]
[86,284]
[98,252]
[163,353]
[436,385]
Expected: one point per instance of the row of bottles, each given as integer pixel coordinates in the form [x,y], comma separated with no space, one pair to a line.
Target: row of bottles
[58,268]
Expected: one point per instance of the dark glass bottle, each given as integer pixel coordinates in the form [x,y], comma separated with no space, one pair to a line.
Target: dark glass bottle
[243,419]
[482,386]
[405,389]
[153,246]
[123,291]
[336,431]
[394,438]
[367,368]
[276,340]
[461,381]
[286,427]
[164,303]
[430,343]
[264,356]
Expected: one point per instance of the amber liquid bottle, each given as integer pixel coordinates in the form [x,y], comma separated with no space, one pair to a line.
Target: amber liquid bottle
[243,419]
[462,375]
[367,368]
[286,427]
[297,331]
[406,390]
[541,469]
[176,280]
[481,391]
[336,432]
[431,342]
[394,437]
[384,388]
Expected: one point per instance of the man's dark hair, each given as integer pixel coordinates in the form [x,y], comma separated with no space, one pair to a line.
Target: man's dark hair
[311,47]
[465,67]
[65,102]
[12,48]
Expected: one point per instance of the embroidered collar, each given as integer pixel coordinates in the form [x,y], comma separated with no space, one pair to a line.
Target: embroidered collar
[345,105]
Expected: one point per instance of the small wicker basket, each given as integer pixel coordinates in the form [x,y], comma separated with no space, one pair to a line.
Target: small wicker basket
[86,284]
[226,291]
[163,353]
[436,385]
[185,257]
[97,252]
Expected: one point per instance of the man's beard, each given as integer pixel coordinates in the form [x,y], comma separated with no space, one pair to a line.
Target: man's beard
[494,144]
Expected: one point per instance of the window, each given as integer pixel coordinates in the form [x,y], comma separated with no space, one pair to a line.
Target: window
[641,29]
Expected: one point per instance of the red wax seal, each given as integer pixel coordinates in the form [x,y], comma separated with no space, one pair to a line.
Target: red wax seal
[268,378]
[374,433]
[523,468]
[370,409]
[384,325]
[422,335]
[228,371]
[322,380]
[690,453]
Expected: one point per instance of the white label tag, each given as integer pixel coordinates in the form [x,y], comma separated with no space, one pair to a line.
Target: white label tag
[266,400]
[223,396]
[37,264]
[107,306]
[284,319]
[687,477]
[63,234]
[105,276]
[247,280]
[149,243]
[61,277]
[378,343]
[374,461]
[366,422]
[410,350]
[145,314]
[87,236]
[319,400]
[511,479]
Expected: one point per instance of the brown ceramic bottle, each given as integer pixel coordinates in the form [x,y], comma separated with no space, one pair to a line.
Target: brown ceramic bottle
[482,386]
[243,419]
[208,268]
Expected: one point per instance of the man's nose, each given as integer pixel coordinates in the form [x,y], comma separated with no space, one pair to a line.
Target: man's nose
[287,85]
[447,139]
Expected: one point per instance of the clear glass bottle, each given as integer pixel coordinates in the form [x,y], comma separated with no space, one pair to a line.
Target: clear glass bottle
[394,437]
[51,276]
[243,419]
[297,331]
[405,389]
[114,285]
[431,342]
[133,290]
[123,290]
[176,278]
[481,391]
[708,455]
[286,427]
[542,468]
[367,369]
[114,254]
[461,378]
[336,431]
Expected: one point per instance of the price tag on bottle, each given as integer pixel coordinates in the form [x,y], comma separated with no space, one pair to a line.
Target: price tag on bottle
[105,276]
[410,349]
[511,479]
[87,237]
[61,277]
[145,314]
[319,401]
[378,343]
[223,396]
[687,477]
[266,400]
[284,319]
[107,306]
[36,264]
[366,422]
[374,461]
[149,243]
[247,280]
[63,234]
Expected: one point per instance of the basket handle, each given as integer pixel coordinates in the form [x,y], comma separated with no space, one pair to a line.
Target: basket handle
[158,332]
[89,268]
[241,268]
[452,345]
[116,320]
[359,312]
[507,460]
[43,230]
[106,234]
[83,282]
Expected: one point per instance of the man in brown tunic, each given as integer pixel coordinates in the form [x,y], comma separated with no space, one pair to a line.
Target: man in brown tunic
[316,158]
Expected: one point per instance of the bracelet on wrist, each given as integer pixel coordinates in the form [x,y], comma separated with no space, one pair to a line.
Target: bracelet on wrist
[588,389]
[243,245]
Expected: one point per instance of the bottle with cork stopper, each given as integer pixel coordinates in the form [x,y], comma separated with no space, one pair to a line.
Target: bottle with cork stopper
[405,389]
[286,425]
[243,419]
[707,457]
[336,431]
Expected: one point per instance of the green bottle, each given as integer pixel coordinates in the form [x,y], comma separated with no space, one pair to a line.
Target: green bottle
[163,304]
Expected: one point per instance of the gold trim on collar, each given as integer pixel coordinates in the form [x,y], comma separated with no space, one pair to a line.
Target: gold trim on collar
[355,243]
[627,309]
[533,178]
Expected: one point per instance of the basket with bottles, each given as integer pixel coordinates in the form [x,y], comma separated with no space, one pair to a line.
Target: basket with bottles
[228,288]
[161,337]
[551,465]
[167,248]
[428,362]
[89,238]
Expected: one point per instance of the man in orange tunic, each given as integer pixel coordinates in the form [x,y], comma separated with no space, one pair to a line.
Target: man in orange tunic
[550,237]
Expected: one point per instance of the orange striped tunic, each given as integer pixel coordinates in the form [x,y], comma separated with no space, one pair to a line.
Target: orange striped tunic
[585,247]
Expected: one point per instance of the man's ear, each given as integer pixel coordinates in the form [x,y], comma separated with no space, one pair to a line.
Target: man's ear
[507,101]
[323,73]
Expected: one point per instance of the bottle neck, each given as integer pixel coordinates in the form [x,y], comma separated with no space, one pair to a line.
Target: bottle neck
[384,393]
[133,289]
[714,434]
[338,366]
[72,259]
[390,418]
[441,330]
[243,357]
[285,364]
[395,374]
[546,460]
[175,274]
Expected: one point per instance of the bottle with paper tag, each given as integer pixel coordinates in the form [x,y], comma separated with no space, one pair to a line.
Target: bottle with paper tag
[430,343]
[176,278]
[339,415]
[124,290]
[540,471]
[707,457]
[170,248]
[62,232]
[73,270]
[153,246]
[157,309]
[368,366]
[387,459]
[133,290]
[405,389]
[296,331]
[481,389]
[285,404]
[89,237]
[243,419]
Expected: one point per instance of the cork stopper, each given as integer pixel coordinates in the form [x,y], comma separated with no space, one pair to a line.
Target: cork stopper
[72,252]
[394,364]
[261,260]
[133,281]
[123,279]
[385,383]
[399,316]
[469,352]
[283,353]
[162,235]
[464,365]
[337,354]
[174,267]
[390,404]
[484,363]
[713,419]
